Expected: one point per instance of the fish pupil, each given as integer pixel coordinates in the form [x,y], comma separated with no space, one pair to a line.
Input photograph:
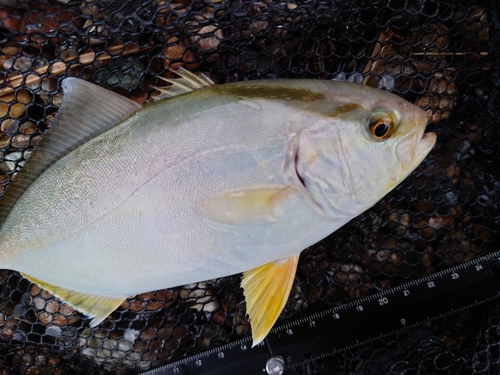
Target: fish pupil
[381,130]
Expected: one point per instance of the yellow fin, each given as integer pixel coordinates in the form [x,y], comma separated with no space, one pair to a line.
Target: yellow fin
[266,290]
[248,205]
[97,307]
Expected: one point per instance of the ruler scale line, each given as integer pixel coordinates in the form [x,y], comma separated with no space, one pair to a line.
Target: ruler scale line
[355,323]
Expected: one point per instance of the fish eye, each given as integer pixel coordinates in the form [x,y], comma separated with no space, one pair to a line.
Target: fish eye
[381,124]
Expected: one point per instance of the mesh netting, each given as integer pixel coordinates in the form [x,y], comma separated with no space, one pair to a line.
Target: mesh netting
[441,55]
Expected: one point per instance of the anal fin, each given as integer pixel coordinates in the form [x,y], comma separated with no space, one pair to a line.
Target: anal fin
[266,290]
[97,307]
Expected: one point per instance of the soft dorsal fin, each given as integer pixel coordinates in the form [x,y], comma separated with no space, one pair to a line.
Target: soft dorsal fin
[186,83]
[87,110]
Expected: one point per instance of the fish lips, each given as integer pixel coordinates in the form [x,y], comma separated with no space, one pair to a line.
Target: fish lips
[411,155]
[424,146]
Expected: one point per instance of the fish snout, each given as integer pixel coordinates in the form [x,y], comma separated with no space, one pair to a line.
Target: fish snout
[425,146]
[415,145]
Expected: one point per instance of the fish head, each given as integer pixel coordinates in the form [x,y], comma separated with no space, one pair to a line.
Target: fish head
[363,144]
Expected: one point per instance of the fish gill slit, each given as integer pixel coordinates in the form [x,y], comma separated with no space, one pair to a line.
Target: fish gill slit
[297,172]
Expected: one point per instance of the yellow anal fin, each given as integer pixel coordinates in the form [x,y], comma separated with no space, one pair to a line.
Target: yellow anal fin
[245,205]
[97,307]
[266,290]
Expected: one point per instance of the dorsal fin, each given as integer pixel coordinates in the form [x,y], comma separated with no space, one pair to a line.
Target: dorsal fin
[87,110]
[186,83]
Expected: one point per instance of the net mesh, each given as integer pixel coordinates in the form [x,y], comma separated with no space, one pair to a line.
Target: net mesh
[441,55]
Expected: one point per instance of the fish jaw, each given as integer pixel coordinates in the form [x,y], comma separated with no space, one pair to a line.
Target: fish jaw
[412,149]
[425,146]
[409,150]
[422,149]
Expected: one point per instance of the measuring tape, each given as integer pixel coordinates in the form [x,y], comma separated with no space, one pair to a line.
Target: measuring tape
[352,324]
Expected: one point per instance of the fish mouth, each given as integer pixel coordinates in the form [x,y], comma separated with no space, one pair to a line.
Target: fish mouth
[411,152]
[411,156]
[424,147]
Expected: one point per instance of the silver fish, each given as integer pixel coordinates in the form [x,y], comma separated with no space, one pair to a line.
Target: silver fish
[120,199]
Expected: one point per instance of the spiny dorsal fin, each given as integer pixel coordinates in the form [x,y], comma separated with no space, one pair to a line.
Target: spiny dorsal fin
[97,307]
[186,83]
[87,110]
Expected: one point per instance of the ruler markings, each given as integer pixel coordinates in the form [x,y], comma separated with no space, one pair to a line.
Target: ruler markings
[428,287]
[394,332]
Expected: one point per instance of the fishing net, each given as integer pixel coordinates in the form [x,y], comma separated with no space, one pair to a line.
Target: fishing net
[441,55]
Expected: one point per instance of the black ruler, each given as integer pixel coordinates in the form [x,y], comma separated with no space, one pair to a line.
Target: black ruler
[352,324]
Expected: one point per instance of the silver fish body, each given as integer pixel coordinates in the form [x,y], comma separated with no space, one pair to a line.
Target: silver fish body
[214,182]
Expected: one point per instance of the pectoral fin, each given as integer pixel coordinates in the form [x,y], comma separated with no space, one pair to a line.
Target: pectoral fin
[266,290]
[97,307]
[247,205]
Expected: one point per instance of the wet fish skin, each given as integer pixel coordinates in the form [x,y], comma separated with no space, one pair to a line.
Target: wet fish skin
[216,181]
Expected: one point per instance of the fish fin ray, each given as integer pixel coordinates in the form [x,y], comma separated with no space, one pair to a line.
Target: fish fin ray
[266,289]
[87,110]
[186,83]
[246,205]
[97,307]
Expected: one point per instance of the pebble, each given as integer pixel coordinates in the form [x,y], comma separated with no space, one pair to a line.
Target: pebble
[109,344]
[89,352]
[164,333]
[39,303]
[22,64]
[451,197]
[209,37]
[118,354]
[137,306]
[66,309]
[94,343]
[54,331]
[179,332]
[20,141]
[163,295]
[145,296]
[103,353]
[59,320]
[152,306]
[52,307]
[45,317]
[125,346]
[176,52]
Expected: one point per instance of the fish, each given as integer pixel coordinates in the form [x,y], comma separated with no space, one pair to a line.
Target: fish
[207,181]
